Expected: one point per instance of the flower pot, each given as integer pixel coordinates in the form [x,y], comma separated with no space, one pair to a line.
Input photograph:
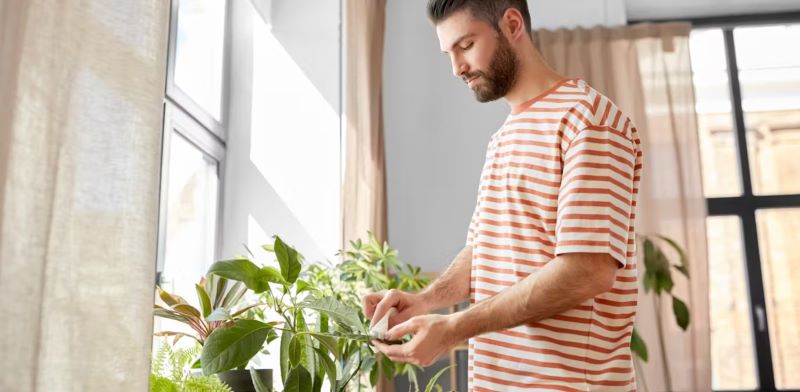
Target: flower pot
[246,380]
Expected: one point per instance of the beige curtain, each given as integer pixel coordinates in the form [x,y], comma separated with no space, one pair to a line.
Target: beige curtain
[364,190]
[646,70]
[81,87]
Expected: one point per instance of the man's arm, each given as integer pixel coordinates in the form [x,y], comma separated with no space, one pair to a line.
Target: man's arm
[452,287]
[562,284]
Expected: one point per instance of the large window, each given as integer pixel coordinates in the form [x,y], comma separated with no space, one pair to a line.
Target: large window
[747,85]
[194,144]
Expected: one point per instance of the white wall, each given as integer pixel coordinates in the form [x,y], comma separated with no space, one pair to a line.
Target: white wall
[554,14]
[435,131]
[282,171]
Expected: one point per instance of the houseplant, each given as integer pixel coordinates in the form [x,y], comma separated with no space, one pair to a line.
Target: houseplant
[169,372]
[316,310]
[322,326]
[220,307]
[657,278]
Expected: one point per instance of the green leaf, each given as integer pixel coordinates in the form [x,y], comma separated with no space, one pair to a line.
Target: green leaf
[302,285]
[288,260]
[271,274]
[664,282]
[328,341]
[682,269]
[187,310]
[169,314]
[258,383]
[233,294]
[219,314]
[299,380]
[229,347]
[268,248]
[205,302]
[214,286]
[317,382]
[245,271]
[342,314]
[373,376]
[649,281]
[684,265]
[328,366]
[638,346]
[286,339]
[435,378]
[681,312]
[295,351]
[170,299]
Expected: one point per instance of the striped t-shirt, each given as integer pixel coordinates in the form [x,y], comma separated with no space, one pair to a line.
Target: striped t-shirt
[561,176]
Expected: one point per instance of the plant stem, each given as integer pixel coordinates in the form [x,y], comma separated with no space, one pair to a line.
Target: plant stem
[662,346]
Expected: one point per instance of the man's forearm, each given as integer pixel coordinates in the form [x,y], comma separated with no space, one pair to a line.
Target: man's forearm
[452,286]
[561,285]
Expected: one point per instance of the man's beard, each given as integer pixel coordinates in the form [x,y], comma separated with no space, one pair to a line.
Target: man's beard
[501,75]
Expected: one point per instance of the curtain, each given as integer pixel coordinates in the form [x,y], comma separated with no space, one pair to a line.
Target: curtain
[646,70]
[364,189]
[81,95]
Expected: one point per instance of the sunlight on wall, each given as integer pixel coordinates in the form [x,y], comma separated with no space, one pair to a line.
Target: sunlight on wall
[295,139]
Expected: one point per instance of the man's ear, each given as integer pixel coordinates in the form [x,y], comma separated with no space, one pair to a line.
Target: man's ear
[513,24]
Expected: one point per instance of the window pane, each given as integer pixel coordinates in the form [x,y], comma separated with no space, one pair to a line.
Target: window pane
[770,80]
[778,231]
[714,119]
[732,350]
[199,52]
[191,217]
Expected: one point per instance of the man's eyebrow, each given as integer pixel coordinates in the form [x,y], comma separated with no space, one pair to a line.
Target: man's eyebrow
[458,41]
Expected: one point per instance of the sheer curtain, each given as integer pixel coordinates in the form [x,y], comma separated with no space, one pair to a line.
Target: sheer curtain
[81,87]
[646,70]
[364,193]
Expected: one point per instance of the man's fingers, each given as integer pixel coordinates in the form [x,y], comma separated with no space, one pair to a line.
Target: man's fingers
[368,302]
[400,330]
[390,300]
[395,352]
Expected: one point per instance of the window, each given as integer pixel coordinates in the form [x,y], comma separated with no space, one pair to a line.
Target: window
[194,145]
[747,86]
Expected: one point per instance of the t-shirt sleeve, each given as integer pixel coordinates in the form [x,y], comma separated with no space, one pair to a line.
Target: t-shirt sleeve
[595,201]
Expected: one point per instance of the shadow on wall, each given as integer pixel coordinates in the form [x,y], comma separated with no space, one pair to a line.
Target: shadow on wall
[282,171]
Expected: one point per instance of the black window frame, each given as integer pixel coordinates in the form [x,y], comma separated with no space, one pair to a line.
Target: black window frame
[747,204]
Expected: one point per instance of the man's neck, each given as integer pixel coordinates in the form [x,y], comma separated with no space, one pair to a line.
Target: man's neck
[534,78]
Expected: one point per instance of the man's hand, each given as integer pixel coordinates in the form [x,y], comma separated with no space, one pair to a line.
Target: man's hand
[434,336]
[408,305]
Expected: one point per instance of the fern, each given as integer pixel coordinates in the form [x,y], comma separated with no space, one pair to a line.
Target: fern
[170,372]
[160,358]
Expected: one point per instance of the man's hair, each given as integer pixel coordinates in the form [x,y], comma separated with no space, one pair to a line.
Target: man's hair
[489,11]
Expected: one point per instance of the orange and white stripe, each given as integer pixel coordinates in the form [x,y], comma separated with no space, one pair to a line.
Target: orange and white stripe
[561,176]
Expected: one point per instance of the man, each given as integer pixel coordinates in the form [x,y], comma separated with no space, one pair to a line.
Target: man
[549,264]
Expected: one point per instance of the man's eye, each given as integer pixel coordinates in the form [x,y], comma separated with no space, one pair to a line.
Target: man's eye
[467,46]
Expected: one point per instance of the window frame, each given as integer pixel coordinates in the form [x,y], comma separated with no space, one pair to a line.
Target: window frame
[747,204]
[189,120]
[176,95]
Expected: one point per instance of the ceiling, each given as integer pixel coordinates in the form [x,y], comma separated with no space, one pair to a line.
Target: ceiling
[683,9]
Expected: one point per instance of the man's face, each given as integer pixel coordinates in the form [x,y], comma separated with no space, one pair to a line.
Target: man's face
[480,55]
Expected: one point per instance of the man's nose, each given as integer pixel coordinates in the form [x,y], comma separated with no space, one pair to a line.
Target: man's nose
[460,68]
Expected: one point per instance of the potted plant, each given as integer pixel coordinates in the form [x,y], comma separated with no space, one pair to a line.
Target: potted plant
[323,331]
[220,307]
[316,311]
[170,372]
